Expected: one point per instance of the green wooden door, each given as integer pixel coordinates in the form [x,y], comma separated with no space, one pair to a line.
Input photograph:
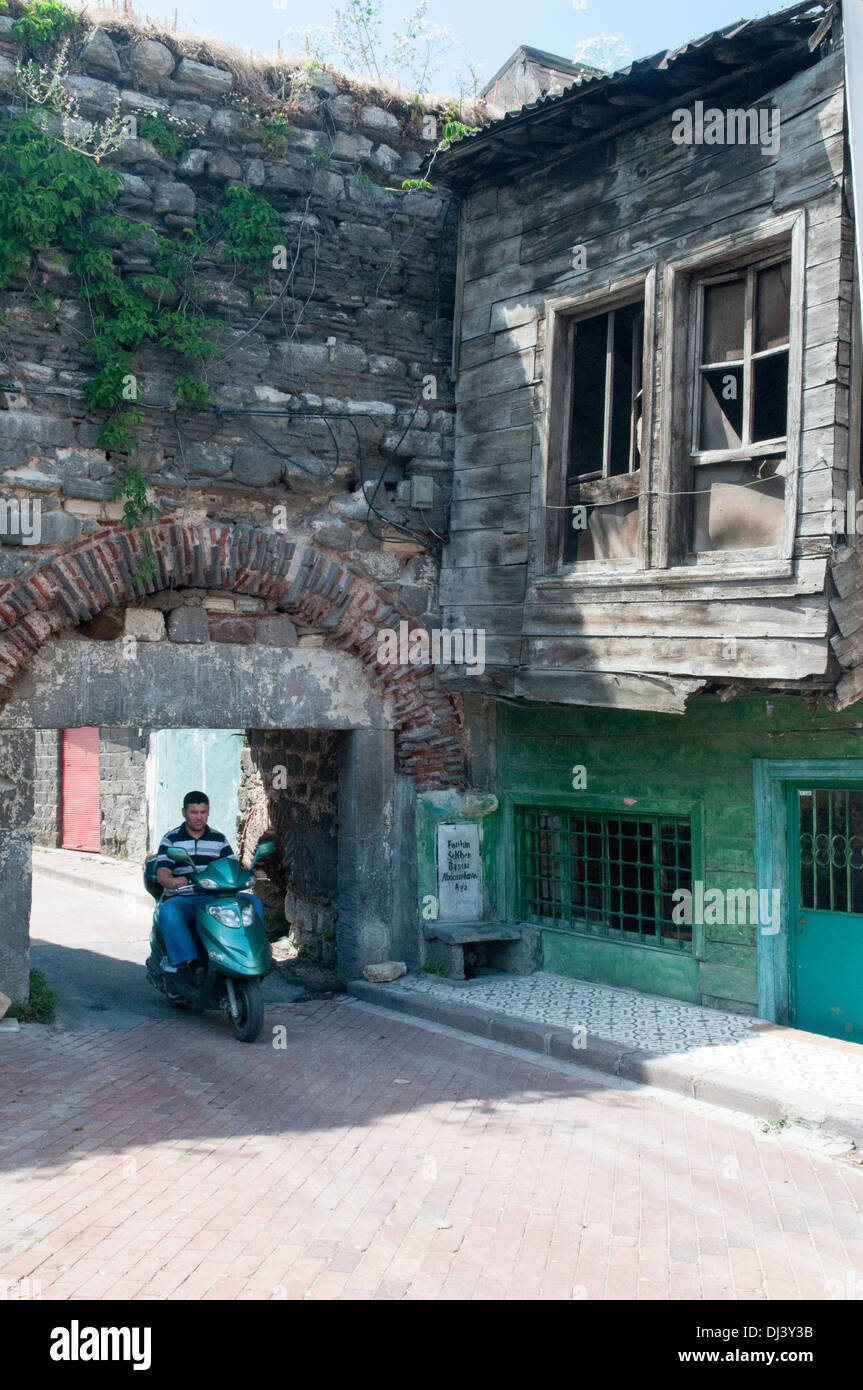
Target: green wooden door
[825,827]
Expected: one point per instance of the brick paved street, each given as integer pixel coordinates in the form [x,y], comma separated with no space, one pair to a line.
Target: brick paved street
[145,1154]
[375,1158]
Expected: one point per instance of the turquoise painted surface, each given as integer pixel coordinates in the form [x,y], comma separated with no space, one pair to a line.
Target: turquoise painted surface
[183,760]
[703,760]
[628,967]
[450,808]
[826,950]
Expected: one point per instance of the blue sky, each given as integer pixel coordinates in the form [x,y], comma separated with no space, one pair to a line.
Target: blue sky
[490,28]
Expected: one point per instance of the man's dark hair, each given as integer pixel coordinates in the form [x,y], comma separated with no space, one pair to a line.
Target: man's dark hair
[195,799]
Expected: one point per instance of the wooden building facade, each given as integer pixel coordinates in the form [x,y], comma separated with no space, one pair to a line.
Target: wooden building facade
[654,523]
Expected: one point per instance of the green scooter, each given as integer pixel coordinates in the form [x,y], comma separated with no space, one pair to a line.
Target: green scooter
[234,954]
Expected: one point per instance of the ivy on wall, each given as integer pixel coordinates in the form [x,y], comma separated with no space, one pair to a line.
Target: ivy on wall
[55,196]
[52,197]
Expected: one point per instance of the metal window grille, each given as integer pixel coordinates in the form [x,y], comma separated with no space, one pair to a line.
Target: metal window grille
[831,850]
[604,874]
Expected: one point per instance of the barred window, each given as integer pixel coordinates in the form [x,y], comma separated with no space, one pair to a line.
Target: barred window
[604,874]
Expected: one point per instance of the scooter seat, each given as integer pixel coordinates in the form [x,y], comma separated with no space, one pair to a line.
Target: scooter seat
[151,883]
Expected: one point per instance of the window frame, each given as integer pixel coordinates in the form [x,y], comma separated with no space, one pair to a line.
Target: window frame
[599,803]
[562,317]
[780,238]
[599,925]
[745,451]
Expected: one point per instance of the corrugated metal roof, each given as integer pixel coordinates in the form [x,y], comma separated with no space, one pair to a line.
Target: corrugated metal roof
[779,30]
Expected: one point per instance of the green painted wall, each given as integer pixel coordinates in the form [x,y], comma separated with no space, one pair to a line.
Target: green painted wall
[701,761]
[184,760]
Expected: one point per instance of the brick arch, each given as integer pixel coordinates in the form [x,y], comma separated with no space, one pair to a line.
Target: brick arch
[92,574]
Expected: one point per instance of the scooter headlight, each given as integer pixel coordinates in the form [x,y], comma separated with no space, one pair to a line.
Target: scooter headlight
[248,916]
[228,916]
[207,883]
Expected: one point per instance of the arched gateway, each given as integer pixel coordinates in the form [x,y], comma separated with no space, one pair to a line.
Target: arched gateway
[402,734]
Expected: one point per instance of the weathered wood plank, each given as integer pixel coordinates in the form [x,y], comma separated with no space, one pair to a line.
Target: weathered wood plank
[494,449]
[502,621]
[474,322]
[595,170]
[847,571]
[821,364]
[640,201]
[495,480]
[483,258]
[474,351]
[487,547]
[494,681]
[512,313]
[575,687]
[484,584]
[803,617]
[510,513]
[495,378]
[807,578]
[849,690]
[746,658]
[510,408]
[502,284]
[848,612]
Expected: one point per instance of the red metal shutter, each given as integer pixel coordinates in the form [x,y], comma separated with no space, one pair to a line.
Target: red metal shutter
[79,763]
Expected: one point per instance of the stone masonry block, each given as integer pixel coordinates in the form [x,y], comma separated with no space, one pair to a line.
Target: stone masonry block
[188,624]
[146,624]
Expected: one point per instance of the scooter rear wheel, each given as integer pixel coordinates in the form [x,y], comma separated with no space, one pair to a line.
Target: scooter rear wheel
[250,1003]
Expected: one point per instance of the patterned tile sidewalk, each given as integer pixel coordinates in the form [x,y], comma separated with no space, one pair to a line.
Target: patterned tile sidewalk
[378,1158]
[705,1039]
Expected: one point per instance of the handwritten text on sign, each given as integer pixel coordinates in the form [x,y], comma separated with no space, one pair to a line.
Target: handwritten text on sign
[459,871]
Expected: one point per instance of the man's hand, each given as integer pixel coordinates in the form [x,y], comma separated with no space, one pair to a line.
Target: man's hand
[260,875]
[167,879]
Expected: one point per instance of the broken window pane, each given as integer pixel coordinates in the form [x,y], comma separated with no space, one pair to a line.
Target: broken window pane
[605,445]
[588,396]
[738,506]
[628,336]
[770,396]
[721,408]
[723,322]
[773,300]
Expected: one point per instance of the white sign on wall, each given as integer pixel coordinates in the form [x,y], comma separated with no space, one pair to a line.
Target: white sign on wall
[459,872]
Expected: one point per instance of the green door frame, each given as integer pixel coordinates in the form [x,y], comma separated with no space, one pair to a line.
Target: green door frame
[770,777]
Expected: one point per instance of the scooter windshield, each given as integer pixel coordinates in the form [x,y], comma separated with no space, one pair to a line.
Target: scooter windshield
[222,875]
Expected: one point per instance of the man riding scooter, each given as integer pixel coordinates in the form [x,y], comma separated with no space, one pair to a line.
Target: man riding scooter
[179,902]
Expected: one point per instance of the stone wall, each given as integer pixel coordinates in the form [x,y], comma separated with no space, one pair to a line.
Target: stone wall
[17,775]
[46,789]
[123,792]
[290,784]
[332,375]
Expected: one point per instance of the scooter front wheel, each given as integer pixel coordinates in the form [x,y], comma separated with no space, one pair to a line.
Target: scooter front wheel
[250,1008]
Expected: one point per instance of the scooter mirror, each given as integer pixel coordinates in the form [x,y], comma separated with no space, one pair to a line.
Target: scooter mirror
[178,856]
[264,848]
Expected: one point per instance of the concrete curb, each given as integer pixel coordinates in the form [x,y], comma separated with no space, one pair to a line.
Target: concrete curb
[111,890]
[670,1073]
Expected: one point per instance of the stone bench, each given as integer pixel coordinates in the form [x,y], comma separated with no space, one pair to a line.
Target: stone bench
[462,946]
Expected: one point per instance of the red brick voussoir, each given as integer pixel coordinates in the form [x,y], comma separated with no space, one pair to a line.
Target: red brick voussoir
[104,570]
